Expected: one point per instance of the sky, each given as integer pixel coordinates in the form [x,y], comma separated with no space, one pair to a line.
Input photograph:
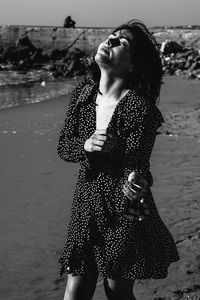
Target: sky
[99,13]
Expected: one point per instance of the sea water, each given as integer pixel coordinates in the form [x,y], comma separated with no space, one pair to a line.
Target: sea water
[17,88]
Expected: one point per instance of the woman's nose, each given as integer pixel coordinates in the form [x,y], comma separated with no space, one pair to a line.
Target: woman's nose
[113,42]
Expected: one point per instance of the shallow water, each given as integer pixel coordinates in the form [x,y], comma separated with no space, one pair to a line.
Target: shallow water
[17,88]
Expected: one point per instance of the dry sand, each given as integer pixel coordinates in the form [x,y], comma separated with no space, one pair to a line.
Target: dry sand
[37,188]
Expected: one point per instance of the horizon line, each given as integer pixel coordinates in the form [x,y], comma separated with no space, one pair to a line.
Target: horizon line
[189,26]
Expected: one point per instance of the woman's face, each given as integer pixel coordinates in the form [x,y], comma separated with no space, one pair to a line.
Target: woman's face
[115,53]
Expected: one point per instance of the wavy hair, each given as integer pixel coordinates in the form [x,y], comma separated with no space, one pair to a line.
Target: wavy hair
[146,78]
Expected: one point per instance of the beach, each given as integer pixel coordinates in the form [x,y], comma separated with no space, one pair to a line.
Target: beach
[37,189]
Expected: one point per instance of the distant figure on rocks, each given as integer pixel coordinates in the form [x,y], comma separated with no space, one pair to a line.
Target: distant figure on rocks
[69,23]
[115,229]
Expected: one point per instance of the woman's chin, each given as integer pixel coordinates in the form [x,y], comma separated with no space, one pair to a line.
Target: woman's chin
[101,59]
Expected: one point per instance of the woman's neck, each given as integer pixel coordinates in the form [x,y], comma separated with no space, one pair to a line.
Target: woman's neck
[111,86]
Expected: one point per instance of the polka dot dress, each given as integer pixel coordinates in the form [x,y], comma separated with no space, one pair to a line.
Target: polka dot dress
[122,248]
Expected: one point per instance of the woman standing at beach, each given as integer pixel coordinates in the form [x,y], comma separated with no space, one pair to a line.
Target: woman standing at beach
[115,230]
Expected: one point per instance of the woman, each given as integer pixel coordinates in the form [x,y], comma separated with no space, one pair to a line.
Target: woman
[110,130]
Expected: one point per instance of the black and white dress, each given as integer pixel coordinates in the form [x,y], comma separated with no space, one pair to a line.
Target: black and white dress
[122,248]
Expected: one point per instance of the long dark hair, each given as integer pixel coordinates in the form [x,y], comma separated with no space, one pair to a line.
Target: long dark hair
[146,77]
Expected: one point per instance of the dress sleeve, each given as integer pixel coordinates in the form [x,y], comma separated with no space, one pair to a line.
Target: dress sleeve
[140,140]
[70,146]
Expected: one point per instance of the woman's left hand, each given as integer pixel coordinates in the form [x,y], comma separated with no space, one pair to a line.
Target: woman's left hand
[135,189]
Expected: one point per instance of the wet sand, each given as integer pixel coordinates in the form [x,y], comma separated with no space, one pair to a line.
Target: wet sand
[37,189]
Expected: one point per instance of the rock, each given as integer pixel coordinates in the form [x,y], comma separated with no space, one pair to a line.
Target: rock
[186,62]
[168,47]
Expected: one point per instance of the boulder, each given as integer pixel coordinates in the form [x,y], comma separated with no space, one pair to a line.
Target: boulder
[168,47]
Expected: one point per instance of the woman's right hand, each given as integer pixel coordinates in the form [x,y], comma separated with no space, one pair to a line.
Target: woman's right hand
[100,141]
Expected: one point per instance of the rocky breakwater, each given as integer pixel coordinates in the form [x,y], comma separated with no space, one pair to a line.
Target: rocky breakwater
[69,52]
[64,52]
